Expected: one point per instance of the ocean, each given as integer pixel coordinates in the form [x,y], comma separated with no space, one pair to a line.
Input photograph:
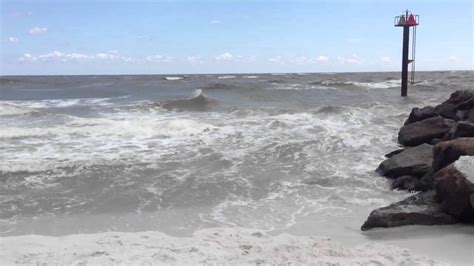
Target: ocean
[196,158]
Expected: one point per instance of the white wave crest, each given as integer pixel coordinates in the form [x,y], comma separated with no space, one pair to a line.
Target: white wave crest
[226,77]
[197,92]
[8,109]
[174,78]
[377,85]
[302,87]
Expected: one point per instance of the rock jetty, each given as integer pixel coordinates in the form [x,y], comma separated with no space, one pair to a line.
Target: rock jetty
[437,162]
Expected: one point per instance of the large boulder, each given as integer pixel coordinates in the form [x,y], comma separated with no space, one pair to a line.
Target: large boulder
[470,116]
[424,131]
[413,161]
[454,189]
[418,114]
[447,152]
[420,209]
[406,182]
[466,105]
[447,110]
[461,129]
[459,97]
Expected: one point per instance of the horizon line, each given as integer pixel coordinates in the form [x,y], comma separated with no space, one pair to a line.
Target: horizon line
[227,73]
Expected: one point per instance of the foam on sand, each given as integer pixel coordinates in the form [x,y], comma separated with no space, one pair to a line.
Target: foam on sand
[208,246]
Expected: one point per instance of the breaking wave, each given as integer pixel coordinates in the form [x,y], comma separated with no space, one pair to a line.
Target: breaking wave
[10,109]
[199,103]
[173,78]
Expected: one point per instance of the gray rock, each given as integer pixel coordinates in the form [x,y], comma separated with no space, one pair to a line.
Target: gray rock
[424,131]
[414,161]
[460,130]
[420,209]
[470,116]
[453,191]
[447,110]
[458,97]
[395,152]
[466,105]
[461,115]
[418,114]
[471,199]
[425,183]
[447,152]
[405,182]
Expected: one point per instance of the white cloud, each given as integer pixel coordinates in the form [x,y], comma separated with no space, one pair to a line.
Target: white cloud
[159,58]
[225,57]
[38,30]
[195,59]
[277,59]
[27,58]
[322,58]
[215,22]
[52,56]
[106,56]
[453,58]
[301,60]
[245,59]
[352,59]
[57,56]
[12,40]
[386,59]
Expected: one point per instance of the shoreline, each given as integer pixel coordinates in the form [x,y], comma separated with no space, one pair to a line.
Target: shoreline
[207,246]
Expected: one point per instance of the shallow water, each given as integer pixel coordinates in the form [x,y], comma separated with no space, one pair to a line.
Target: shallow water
[91,154]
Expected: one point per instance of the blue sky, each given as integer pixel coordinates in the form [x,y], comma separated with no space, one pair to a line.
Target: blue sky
[163,37]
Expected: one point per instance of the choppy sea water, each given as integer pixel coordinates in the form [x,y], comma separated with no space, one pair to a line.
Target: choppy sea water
[177,154]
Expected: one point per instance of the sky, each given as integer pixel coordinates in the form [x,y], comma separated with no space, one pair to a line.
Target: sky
[54,37]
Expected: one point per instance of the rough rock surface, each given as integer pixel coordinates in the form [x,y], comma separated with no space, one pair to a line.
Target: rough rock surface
[447,152]
[424,131]
[414,161]
[393,153]
[418,114]
[447,110]
[444,173]
[460,130]
[420,209]
[470,116]
[459,97]
[454,190]
[406,182]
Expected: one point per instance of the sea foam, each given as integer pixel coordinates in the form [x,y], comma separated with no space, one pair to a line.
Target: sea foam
[208,247]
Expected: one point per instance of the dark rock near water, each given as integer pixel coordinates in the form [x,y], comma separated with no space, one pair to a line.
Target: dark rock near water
[470,116]
[446,181]
[446,152]
[459,97]
[466,105]
[471,199]
[425,183]
[395,152]
[420,209]
[414,161]
[454,192]
[406,182]
[460,130]
[447,110]
[418,114]
[424,131]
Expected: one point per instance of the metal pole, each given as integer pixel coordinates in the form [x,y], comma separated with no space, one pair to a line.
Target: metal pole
[406,38]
